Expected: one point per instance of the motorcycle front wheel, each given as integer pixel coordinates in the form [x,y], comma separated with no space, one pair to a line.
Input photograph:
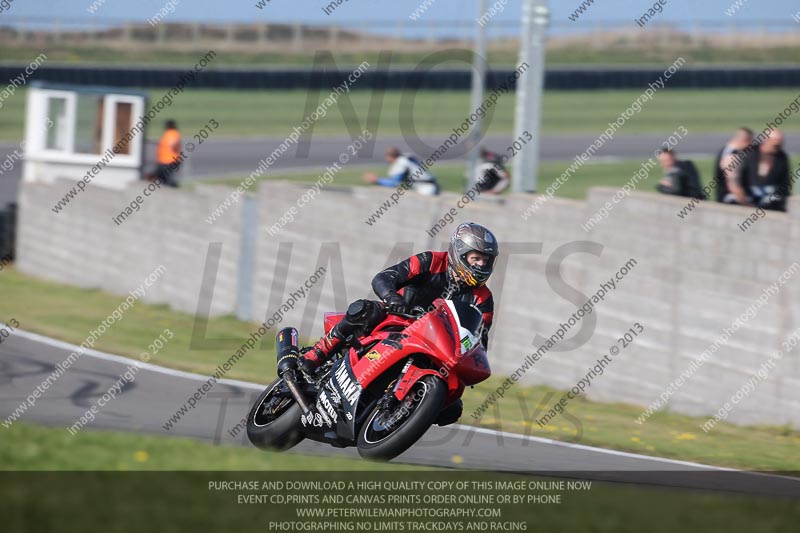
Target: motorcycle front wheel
[388,433]
[274,420]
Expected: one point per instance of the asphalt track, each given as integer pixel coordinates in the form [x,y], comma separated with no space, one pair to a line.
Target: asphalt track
[145,404]
[219,157]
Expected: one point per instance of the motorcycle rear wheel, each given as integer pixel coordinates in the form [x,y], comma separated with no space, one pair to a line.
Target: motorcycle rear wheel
[385,435]
[274,422]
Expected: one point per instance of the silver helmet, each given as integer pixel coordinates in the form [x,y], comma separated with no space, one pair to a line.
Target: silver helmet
[471,237]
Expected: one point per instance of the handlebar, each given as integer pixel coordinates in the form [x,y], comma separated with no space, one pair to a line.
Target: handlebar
[416,312]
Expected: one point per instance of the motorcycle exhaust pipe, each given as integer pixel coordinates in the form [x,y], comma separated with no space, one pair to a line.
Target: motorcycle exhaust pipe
[286,345]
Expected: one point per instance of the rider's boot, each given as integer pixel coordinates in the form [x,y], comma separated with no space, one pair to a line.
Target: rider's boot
[361,314]
[322,350]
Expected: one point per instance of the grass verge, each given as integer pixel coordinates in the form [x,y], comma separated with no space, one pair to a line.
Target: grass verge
[33,447]
[275,113]
[51,309]
[620,53]
[79,500]
[451,176]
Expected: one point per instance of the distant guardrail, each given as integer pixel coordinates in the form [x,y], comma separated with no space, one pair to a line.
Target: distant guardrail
[558,78]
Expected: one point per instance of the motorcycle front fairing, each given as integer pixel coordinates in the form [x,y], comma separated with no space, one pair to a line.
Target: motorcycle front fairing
[453,347]
[473,366]
[332,416]
[346,391]
[447,335]
[426,335]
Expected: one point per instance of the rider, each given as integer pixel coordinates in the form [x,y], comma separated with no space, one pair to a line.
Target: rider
[460,273]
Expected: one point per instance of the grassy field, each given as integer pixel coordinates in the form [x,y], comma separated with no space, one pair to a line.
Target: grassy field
[451,176]
[113,482]
[51,309]
[275,113]
[32,447]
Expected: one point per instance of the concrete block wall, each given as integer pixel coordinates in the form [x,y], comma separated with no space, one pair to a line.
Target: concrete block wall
[693,277]
[81,245]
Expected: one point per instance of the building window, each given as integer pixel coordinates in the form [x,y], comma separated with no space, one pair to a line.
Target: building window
[57,135]
[122,126]
[89,124]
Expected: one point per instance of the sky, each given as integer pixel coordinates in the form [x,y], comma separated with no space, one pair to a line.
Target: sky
[397,12]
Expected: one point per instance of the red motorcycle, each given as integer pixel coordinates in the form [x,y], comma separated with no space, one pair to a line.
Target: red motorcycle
[380,392]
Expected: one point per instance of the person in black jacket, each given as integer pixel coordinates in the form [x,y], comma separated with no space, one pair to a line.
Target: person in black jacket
[680,177]
[734,168]
[491,175]
[458,274]
[771,185]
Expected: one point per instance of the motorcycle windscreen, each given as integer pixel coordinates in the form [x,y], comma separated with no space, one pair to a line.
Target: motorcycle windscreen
[472,364]
[468,319]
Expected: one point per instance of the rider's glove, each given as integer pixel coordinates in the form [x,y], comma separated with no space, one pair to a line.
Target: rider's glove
[396,304]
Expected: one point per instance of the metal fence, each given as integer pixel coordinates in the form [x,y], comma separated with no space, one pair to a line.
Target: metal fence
[399,78]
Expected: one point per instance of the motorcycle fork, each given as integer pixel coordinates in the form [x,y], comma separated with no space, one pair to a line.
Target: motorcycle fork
[388,401]
[290,380]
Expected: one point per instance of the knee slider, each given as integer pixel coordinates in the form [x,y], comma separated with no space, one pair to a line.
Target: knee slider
[357,310]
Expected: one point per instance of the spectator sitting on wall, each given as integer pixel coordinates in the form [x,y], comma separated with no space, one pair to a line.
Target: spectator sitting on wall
[491,176]
[771,183]
[168,154]
[733,168]
[680,177]
[405,169]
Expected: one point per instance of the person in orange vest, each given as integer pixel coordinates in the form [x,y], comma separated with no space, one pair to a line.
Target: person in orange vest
[168,154]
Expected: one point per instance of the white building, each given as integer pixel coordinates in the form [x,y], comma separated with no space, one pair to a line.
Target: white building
[76,131]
